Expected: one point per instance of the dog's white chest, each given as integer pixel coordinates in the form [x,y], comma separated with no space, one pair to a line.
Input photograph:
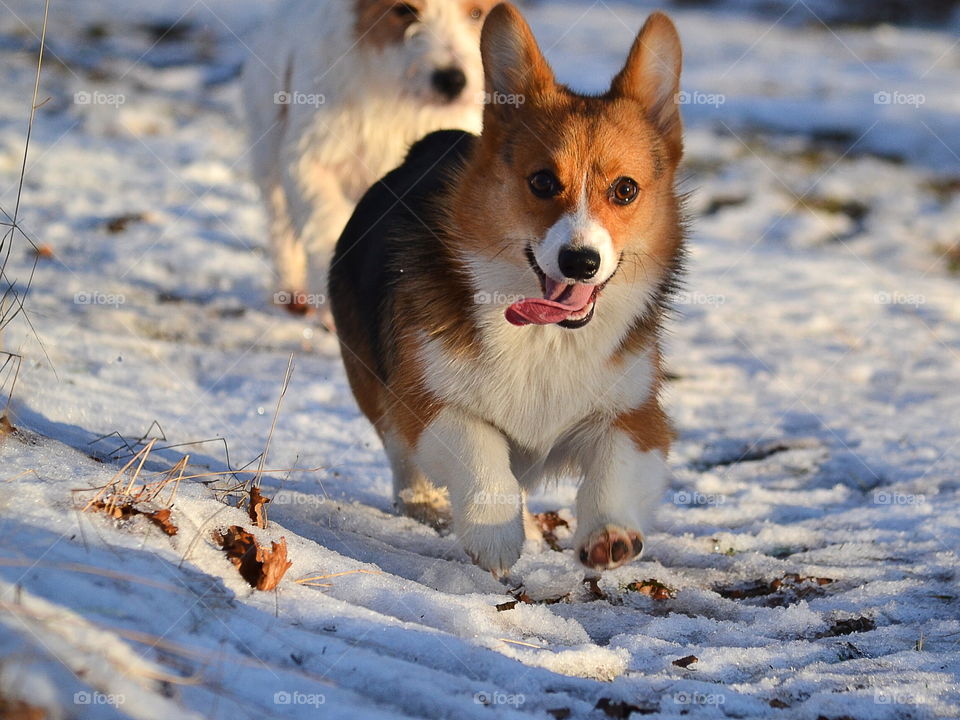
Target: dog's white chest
[536,383]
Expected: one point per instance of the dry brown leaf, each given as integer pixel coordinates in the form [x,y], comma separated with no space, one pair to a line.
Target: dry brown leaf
[274,563]
[593,584]
[261,568]
[122,511]
[161,518]
[6,427]
[655,589]
[549,522]
[127,510]
[257,509]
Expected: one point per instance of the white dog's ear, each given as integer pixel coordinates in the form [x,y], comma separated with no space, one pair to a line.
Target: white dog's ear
[512,61]
[652,74]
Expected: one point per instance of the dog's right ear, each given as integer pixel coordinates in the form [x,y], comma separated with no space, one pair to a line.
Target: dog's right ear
[513,66]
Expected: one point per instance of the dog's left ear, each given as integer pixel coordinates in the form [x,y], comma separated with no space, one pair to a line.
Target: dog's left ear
[513,65]
[652,76]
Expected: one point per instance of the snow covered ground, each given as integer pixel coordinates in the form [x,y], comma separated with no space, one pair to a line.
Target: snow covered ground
[809,541]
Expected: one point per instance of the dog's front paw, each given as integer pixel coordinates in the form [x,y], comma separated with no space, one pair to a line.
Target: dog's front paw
[611,546]
[494,547]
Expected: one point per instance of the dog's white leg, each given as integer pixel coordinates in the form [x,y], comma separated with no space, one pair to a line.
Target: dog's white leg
[414,494]
[472,459]
[615,503]
[319,210]
[288,254]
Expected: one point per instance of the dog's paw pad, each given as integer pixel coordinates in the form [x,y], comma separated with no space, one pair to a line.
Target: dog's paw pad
[611,547]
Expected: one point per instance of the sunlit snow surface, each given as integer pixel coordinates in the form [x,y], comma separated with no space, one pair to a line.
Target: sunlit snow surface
[816,364]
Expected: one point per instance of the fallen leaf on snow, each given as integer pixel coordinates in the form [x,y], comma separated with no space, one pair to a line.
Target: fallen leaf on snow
[616,709]
[260,567]
[257,509]
[549,522]
[125,511]
[655,589]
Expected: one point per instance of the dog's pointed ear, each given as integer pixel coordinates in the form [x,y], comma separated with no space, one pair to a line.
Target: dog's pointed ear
[652,74]
[513,65]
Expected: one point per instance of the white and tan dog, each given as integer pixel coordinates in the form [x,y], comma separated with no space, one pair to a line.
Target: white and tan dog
[335,92]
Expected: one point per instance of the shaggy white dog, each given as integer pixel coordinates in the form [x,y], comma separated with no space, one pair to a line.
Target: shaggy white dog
[335,92]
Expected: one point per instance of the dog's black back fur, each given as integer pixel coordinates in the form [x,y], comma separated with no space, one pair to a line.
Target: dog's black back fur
[395,226]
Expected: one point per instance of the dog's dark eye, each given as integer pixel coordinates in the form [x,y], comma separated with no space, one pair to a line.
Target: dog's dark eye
[545,184]
[624,191]
[406,12]
[476,13]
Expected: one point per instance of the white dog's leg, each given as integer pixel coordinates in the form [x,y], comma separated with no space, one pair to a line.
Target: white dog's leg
[319,211]
[615,503]
[287,252]
[472,459]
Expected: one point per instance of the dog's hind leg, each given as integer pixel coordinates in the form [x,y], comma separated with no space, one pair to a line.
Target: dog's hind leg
[288,254]
[414,494]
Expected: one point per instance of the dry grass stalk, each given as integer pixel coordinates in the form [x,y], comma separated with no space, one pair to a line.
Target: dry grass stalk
[312,580]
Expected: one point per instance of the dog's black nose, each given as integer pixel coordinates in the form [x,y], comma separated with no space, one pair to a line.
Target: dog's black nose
[579,263]
[449,82]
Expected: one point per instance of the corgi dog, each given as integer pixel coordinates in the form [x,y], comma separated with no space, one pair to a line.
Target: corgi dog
[498,300]
[335,91]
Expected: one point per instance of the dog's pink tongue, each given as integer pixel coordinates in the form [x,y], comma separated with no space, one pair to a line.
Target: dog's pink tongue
[559,302]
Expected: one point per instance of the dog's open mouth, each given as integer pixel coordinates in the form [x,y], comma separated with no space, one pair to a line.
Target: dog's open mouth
[564,304]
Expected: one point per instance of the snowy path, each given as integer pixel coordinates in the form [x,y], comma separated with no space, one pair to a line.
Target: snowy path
[816,356]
